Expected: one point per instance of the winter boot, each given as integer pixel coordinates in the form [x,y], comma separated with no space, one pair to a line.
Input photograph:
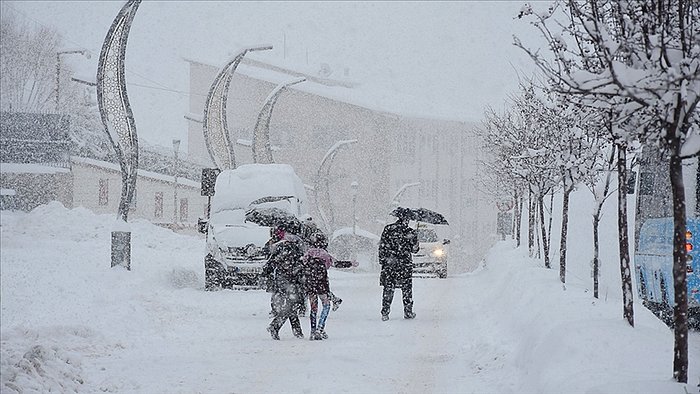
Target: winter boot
[273,333]
[336,303]
[298,333]
[322,334]
[315,336]
[409,315]
[385,317]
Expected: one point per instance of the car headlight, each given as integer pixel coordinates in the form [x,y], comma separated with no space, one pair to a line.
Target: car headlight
[438,252]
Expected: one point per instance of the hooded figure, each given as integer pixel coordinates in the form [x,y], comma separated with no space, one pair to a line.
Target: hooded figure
[286,281]
[397,243]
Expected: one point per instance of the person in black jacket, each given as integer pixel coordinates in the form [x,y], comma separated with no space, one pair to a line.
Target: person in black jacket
[397,243]
[286,280]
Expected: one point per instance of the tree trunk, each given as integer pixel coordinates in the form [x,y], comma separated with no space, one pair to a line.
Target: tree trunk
[519,226]
[564,231]
[515,216]
[530,225]
[545,243]
[549,225]
[680,285]
[600,200]
[596,247]
[625,272]
[537,228]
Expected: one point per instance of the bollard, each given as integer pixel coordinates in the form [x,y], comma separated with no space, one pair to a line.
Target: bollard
[121,249]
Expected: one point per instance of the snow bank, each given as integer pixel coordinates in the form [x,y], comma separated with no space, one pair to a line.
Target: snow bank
[62,303]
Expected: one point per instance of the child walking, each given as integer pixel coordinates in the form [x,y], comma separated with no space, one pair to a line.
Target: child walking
[316,262]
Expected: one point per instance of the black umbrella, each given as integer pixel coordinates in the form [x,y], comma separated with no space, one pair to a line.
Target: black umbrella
[273,217]
[270,199]
[419,215]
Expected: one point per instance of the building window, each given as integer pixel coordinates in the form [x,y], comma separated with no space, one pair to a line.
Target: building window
[158,213]
[103,196]
[183,210]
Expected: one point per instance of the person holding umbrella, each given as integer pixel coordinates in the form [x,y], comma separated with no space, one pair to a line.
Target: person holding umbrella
[396,245]
[285,271]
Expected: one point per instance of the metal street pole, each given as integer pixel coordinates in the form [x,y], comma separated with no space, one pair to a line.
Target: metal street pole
[353,187]
[262,151]
[214,126]
[321,185]
[118,120]
[394,202]
[176,149]
[83,52]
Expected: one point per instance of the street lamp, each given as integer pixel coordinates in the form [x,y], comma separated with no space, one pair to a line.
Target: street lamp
[176,149]
[83,52]
[394,202]
[353,189]
[321,185]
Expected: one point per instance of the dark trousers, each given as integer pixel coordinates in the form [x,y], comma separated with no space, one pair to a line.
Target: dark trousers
[285,309]
[279,320]
[388,297]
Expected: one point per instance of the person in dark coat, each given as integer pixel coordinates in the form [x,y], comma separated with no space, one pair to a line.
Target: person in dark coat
[278,233]
[396,245]
[286,278]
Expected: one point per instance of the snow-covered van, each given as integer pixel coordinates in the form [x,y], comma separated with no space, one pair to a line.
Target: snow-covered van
[235,254]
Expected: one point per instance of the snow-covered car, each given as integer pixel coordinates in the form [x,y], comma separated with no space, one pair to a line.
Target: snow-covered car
[431,259]
[235,244]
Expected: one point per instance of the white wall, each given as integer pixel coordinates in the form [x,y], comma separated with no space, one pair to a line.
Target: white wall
[86,181]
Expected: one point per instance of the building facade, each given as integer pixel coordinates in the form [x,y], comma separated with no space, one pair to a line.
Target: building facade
[97,186]
[392,150]
[36,168]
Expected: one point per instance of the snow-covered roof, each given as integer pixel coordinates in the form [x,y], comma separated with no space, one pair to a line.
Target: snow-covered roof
[350,93]
[142,173]
[31,168]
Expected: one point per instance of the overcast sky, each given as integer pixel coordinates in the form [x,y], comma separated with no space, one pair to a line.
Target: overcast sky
[456,57]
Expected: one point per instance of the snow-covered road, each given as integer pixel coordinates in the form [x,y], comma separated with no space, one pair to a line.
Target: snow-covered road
[70,323]
[216,342]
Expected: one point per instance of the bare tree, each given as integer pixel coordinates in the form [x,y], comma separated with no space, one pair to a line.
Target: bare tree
[27,66]
[642,60]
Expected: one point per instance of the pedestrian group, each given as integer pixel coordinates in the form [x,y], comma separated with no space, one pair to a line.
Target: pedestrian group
[297,270]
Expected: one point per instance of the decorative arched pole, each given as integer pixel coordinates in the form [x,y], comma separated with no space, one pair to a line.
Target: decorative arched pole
[262,152]
[118,121]
[321,185]
[214,126]
[396,200]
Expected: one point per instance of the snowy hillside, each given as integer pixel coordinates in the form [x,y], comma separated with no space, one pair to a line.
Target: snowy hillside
[70,323]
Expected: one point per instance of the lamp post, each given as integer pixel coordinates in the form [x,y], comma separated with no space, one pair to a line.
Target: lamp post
[394,202]
[321,185]
[83,52]
[176,149]
[353,188]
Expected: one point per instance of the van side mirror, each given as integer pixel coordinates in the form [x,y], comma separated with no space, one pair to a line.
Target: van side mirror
[445,241]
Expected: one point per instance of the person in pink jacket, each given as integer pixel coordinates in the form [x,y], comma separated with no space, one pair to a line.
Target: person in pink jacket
[317,261]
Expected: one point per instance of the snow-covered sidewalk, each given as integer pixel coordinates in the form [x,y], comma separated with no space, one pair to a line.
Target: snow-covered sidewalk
[69,322]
